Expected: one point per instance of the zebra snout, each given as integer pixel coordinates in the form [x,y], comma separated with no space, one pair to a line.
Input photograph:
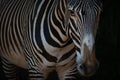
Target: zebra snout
[87,70]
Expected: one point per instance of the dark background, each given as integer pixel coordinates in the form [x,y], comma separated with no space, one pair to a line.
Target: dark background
[106,44]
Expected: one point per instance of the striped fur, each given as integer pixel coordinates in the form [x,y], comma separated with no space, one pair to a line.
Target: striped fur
[44,35]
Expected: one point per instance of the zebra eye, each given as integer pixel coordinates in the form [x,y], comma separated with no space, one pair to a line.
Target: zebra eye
[83,12]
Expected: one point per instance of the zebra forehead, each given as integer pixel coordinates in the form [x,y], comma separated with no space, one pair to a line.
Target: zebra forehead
[72,2]
[84,3]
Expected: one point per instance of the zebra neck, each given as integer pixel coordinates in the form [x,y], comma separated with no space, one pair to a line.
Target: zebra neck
[47,20]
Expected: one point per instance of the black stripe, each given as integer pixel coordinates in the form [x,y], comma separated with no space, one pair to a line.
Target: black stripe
[67,55]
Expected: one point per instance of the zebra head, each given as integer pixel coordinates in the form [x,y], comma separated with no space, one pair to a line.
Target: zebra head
[82,25]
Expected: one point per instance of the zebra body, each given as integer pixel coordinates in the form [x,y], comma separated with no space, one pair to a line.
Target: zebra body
[38,35]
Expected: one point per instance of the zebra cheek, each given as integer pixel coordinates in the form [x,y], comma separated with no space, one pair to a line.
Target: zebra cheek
[78,58]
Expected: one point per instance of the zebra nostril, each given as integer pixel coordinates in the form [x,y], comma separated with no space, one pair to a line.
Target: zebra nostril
[82,67]
[87,70]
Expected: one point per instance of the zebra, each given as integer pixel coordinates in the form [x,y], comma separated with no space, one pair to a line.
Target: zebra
[46,35]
